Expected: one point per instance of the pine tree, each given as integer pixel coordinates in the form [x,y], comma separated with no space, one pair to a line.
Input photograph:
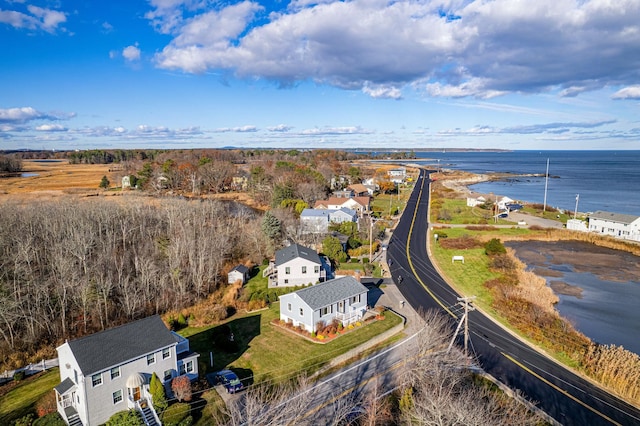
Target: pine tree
[156,389]
[104,183]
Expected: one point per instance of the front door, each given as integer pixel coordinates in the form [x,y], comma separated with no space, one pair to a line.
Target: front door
[136,394]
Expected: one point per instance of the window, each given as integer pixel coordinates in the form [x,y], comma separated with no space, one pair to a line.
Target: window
[181,369]
[289,306]
[115,373]
[301,312]
[117,396]
[75,375]
[324,311]
[287,270]
[151,359]
[190,367]
[96,379]
[167,375]
[316,269]
[304,269]
[286,281]
[166,353]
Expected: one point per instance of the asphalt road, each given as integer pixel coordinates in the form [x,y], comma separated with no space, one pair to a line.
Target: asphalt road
[566,397]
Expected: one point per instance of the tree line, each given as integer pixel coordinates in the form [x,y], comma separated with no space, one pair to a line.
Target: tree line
[69,269]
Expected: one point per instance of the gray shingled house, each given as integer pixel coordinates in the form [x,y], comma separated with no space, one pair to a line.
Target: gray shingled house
[109,371]
[297,265]
[344,299]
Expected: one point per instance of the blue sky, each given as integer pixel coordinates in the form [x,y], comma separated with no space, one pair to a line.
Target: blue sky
[514,74]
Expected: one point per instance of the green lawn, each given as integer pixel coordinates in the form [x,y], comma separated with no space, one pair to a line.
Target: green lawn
[348,266]
[267,351]
[390,204]
[21,400]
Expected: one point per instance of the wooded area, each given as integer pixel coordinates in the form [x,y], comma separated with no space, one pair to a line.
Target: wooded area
[70,268]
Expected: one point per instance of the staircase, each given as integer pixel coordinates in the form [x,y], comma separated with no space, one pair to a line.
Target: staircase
[74,420]
[149,418]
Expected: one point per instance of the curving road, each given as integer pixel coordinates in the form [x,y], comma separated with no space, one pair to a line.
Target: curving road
[566,397]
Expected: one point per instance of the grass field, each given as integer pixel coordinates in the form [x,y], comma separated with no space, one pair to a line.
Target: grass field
[21,400]
[265,350]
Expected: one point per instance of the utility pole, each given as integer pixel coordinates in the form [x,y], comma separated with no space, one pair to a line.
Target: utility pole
[465,302]
[546,181]
[575,212]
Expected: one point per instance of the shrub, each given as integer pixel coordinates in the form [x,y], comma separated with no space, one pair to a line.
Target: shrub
[494,247]
[182,321]
[157,393]
[52,419]
[47,404]
[126,418]
[462,243]
[219,313]
[24,421]
[181,387]
[18,376]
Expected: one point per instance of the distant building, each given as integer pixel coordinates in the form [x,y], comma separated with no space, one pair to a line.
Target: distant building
[126,182]
[623,226]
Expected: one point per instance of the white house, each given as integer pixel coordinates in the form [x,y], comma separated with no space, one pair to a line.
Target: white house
[297,265]
[359,204]
[472,201]
[109,371]
[623,226]
[397,175]
[239,273]
[316,221]
[344,299]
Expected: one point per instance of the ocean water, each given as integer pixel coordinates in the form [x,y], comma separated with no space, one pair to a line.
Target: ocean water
[605,180]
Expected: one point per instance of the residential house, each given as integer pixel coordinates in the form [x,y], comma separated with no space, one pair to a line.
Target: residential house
[623,226]
[360,204]
[344,299]
[239,273]
[344,193]
[297,265]
[359,190]
[316,221]
[126,182]
[107,372]
[397,175]
[476,201]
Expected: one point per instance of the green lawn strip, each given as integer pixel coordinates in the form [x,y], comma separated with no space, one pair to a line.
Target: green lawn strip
[468,278]
[265,350]
[390,204]
[20,401]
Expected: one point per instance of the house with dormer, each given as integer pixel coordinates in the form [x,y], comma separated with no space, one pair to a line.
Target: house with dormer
[297,265]
[107,372]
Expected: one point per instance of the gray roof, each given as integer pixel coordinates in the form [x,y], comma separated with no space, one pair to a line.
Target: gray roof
[346,210]
[294,251]
[65,386]
[614,217]
[118,345]
[240,268]
[315,213]
[329,292]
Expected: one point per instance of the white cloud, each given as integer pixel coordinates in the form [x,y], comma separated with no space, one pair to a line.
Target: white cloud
[279,128]
[35,18]
[350,130]
[131,53]
[473,48]
[19,115]
[51,128]
[631,92]
[241,129]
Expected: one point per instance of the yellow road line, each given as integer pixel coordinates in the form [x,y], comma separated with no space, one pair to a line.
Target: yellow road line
[564,392]
[413,220]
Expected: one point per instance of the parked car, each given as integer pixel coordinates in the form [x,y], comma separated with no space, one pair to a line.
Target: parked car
[229,380]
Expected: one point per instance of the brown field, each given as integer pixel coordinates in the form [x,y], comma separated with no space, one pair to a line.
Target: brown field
[59,177]
[83,180]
